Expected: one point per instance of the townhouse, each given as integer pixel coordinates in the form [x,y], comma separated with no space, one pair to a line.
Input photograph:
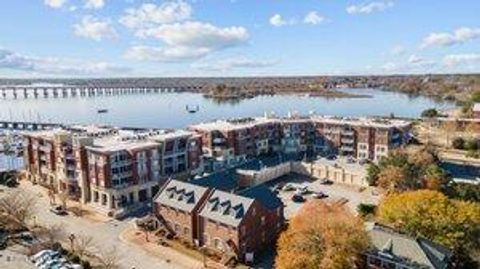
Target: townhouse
[239,224]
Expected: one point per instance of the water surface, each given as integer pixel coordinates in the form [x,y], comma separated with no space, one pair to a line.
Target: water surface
[167,110]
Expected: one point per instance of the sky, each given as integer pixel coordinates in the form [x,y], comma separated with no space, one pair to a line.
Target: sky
[155,38]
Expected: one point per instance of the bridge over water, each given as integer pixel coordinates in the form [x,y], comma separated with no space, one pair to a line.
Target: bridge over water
[65,91]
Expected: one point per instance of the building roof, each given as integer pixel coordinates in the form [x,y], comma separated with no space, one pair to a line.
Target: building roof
[182,195]
[401,248]
[227,208]
[225,180]
[232,124]
[264,195]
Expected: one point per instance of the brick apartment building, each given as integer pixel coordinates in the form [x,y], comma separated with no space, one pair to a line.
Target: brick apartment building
[240,224]
[114,171]
[231,141]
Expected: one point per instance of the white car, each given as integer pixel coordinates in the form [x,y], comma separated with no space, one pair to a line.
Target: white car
[41,254]
[302,190]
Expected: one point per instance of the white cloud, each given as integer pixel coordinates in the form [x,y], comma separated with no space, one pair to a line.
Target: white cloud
[461,59]
[277,20]
[313,18]
[55,3]
[57,66]
[233,63]
[459,36]
[94,4]
[95,28]
[149,15]
[198,34]
[187,41]
[165,54]
[368,8]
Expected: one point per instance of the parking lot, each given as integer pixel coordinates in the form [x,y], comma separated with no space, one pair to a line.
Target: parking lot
[350,196]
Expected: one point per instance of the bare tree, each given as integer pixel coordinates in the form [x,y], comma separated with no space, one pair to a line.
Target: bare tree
[63,196]
[50,234]
[83,245]
[108,259]
[16,209]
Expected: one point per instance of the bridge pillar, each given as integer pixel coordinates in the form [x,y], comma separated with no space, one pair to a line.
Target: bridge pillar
[25,93]
[4,93]
[35,93]
[45,92]
[55,92]
[15,93]
[64,93]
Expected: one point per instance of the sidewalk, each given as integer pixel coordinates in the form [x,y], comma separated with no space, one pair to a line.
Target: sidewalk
[134,237]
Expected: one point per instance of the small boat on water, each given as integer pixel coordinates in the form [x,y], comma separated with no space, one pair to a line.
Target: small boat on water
[192,109]
[101,111]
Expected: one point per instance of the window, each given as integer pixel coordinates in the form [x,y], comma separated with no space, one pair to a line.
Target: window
[186,231]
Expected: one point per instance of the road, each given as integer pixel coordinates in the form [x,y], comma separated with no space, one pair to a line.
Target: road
[106,236]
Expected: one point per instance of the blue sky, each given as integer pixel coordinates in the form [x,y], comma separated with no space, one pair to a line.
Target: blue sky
[96,38]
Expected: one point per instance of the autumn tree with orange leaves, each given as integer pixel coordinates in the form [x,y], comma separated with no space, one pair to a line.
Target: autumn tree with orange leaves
[322,236]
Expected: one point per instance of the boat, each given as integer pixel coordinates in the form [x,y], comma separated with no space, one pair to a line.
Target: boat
[192,109]
[101,111]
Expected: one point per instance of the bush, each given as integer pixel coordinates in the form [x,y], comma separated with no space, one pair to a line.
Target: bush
[458,143]
[86,265]
[471,144]
[366,209]
[430,113]
[57,247]
[473,154]
[75,259]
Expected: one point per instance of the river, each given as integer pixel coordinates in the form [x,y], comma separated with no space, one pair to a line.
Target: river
[167,110]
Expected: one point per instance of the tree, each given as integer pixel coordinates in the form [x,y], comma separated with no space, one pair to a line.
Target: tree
[322,236]
[50,234]
[108,258]
[392,179]
[458,143]
[83,245]
[17,208]
[455,224]
[430,113]
[366,209]
[471,144]
[372,174]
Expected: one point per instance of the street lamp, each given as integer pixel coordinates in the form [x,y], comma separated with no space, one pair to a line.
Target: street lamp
[71,237]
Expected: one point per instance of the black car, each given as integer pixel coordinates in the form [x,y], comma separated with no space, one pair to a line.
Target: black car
[58,210]
[297,198]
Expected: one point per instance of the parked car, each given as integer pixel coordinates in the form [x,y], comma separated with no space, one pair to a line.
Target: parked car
[326,181]
[319,195]
[298,198]
[42,254]
[302,190]
[331,157]
[59,210]
[288,187]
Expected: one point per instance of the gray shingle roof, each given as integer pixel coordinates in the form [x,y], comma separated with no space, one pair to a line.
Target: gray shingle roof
[418,252]
[227,208]
[182,195]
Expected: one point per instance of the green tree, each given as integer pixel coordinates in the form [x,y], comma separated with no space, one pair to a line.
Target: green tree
[458,143]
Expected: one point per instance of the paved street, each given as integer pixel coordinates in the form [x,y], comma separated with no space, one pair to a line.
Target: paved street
[106,236]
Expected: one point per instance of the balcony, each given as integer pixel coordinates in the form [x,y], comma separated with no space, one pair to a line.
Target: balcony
[45,148]
[347,133]
[347,141]
[347,149]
